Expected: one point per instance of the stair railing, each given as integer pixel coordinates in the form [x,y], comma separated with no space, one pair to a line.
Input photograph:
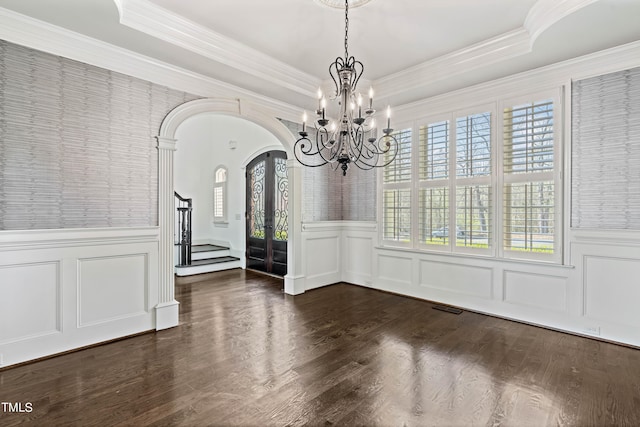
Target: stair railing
[182,235]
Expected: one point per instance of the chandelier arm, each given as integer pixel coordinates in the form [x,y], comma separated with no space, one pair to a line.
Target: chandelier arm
[302,141]
[334,72]
[357,73]
[390,145]
[359,145]
[327,145]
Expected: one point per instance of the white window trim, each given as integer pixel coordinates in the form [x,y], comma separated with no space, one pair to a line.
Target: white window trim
[398,186]
[496,181]
[220,220]
[555,176]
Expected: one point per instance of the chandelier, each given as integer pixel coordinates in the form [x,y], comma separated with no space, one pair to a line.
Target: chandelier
[351,138]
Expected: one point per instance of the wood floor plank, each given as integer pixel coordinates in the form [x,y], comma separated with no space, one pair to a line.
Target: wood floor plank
[246,354]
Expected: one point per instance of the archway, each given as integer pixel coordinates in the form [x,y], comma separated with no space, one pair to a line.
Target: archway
[167,308]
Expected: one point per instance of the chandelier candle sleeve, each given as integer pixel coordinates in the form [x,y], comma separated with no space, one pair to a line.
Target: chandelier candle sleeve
[388,116]
[350,137]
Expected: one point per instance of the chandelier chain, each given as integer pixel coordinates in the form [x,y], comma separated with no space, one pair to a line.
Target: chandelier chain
[346,29]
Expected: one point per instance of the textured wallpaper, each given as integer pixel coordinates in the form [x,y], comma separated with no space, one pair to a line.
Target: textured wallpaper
[329,196]
[77,147]
[605,176]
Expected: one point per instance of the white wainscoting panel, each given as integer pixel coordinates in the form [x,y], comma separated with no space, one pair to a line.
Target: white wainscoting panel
[395,269]
[321,251]
[358,261]
[535,290]
[457,278]
[358,243]
[607,283]
[69,288]
[612,289]
[36,286]
[110,288]
[322,256]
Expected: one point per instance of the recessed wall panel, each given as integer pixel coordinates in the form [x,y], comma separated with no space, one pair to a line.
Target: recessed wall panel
[111,288]
[395,269]
[462,279]
[359,255]
[322,256]
[535,290]
[612,290]
[29,301]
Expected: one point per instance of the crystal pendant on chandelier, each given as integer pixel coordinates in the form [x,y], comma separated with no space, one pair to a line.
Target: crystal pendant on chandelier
[352,137]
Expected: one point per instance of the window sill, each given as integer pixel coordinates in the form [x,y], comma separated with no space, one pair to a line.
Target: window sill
[221,224]
[476,257]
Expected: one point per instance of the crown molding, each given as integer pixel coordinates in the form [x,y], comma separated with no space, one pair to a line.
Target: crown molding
[545,13]
[26,31]
[494,50]
[542,16]
[146,17]
[603,62]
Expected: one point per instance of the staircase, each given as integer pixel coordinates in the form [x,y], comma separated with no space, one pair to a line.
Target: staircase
[197,259]
[207,259]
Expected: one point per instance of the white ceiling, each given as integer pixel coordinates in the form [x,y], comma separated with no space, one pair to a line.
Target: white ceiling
[411,49]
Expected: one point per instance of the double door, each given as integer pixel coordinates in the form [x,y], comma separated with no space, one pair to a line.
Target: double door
[267,213]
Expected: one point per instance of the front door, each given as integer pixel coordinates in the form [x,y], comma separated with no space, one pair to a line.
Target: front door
[267,213]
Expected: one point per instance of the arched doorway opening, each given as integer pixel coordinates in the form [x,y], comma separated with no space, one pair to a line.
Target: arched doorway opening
[167,308]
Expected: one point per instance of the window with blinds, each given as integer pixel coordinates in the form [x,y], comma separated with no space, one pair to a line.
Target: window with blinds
[482,183]
[219,195]
[606,152]
[473,181]
[529,223]
[396,198]
[433,169]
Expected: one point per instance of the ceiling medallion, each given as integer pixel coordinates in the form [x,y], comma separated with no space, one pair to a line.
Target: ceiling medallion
[339,5]
[352,137]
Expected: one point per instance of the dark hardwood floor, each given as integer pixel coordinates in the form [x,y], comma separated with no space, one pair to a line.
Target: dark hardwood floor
[247,354]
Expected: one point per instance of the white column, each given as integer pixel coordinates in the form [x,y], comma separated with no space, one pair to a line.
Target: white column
[294,281]
[167,308]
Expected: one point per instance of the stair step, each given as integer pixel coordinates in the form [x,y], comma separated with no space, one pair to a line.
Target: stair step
[207,248]
[208,261]
[208,265]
